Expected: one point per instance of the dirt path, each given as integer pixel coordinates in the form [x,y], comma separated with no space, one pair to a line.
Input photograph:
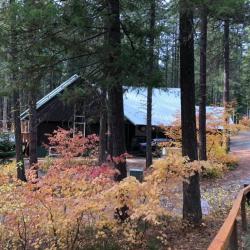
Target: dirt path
[240,146]
[219,192]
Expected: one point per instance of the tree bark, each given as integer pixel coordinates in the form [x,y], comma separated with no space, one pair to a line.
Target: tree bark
[116,91]
[103,129]
[5,114]
[191,190]
[173,51]
[1,112]
[32,129]
[226,94]
[203,86]
[176,83]
[102,138]
[109,138]
[166,65]
[149,157]
[16,100]
[117,129]
[18,137]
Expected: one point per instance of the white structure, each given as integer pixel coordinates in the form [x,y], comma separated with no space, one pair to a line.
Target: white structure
[166,106]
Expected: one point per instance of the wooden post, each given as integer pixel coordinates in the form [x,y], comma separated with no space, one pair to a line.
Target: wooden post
[234,238]
[243,214]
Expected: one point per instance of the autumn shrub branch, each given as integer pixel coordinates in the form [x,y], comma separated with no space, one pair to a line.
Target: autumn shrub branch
[72,206]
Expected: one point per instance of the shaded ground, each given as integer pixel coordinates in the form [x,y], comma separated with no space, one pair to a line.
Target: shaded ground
[234,180]
[240,146]
[216,195]
[195,238]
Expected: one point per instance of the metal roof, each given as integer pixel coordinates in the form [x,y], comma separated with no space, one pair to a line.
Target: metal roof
[51,95]
[166,107]
[166,104]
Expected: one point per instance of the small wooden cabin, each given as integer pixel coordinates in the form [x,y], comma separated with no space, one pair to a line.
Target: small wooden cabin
[54,112]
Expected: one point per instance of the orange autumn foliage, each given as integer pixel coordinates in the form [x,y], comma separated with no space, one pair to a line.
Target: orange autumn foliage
[219,159]
[73,205]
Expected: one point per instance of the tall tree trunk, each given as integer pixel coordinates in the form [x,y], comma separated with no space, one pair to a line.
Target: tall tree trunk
[16,99]
[149,158]
[176,57]
[18,137]
[226,94]
[102,138]
[177,65]
[203,86]
[172,61]
[1,113]
[117,130]
[150,90]
[116,91]
[103,129]
[5,114]
[226,97]
[166,65]
[109,137]
[191,190]
[32,129]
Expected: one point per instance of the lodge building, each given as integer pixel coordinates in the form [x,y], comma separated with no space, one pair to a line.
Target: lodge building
[53,112]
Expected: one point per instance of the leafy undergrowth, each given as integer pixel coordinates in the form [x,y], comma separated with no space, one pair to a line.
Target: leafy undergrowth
[77,205]
[219,160]
[245,121]
[195,238]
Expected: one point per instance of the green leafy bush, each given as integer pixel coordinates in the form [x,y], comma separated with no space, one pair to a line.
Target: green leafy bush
[7,145]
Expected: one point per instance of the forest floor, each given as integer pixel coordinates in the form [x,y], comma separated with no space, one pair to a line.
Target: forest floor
[233,180]
[217,196]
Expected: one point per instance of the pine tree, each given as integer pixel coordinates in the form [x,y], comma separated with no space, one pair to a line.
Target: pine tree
[115,92]
[150,89]
[16,94]
[191,189]
[203,80]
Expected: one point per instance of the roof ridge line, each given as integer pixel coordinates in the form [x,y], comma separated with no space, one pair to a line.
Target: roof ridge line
[51,94]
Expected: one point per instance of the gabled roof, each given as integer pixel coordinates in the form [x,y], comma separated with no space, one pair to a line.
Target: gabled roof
[51,95]
[166,104]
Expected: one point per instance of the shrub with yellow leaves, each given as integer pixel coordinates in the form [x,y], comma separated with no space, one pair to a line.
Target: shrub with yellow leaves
[219,160]
[245,121]
[78,206]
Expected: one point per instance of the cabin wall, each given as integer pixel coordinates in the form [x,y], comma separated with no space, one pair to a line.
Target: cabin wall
[47,128]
